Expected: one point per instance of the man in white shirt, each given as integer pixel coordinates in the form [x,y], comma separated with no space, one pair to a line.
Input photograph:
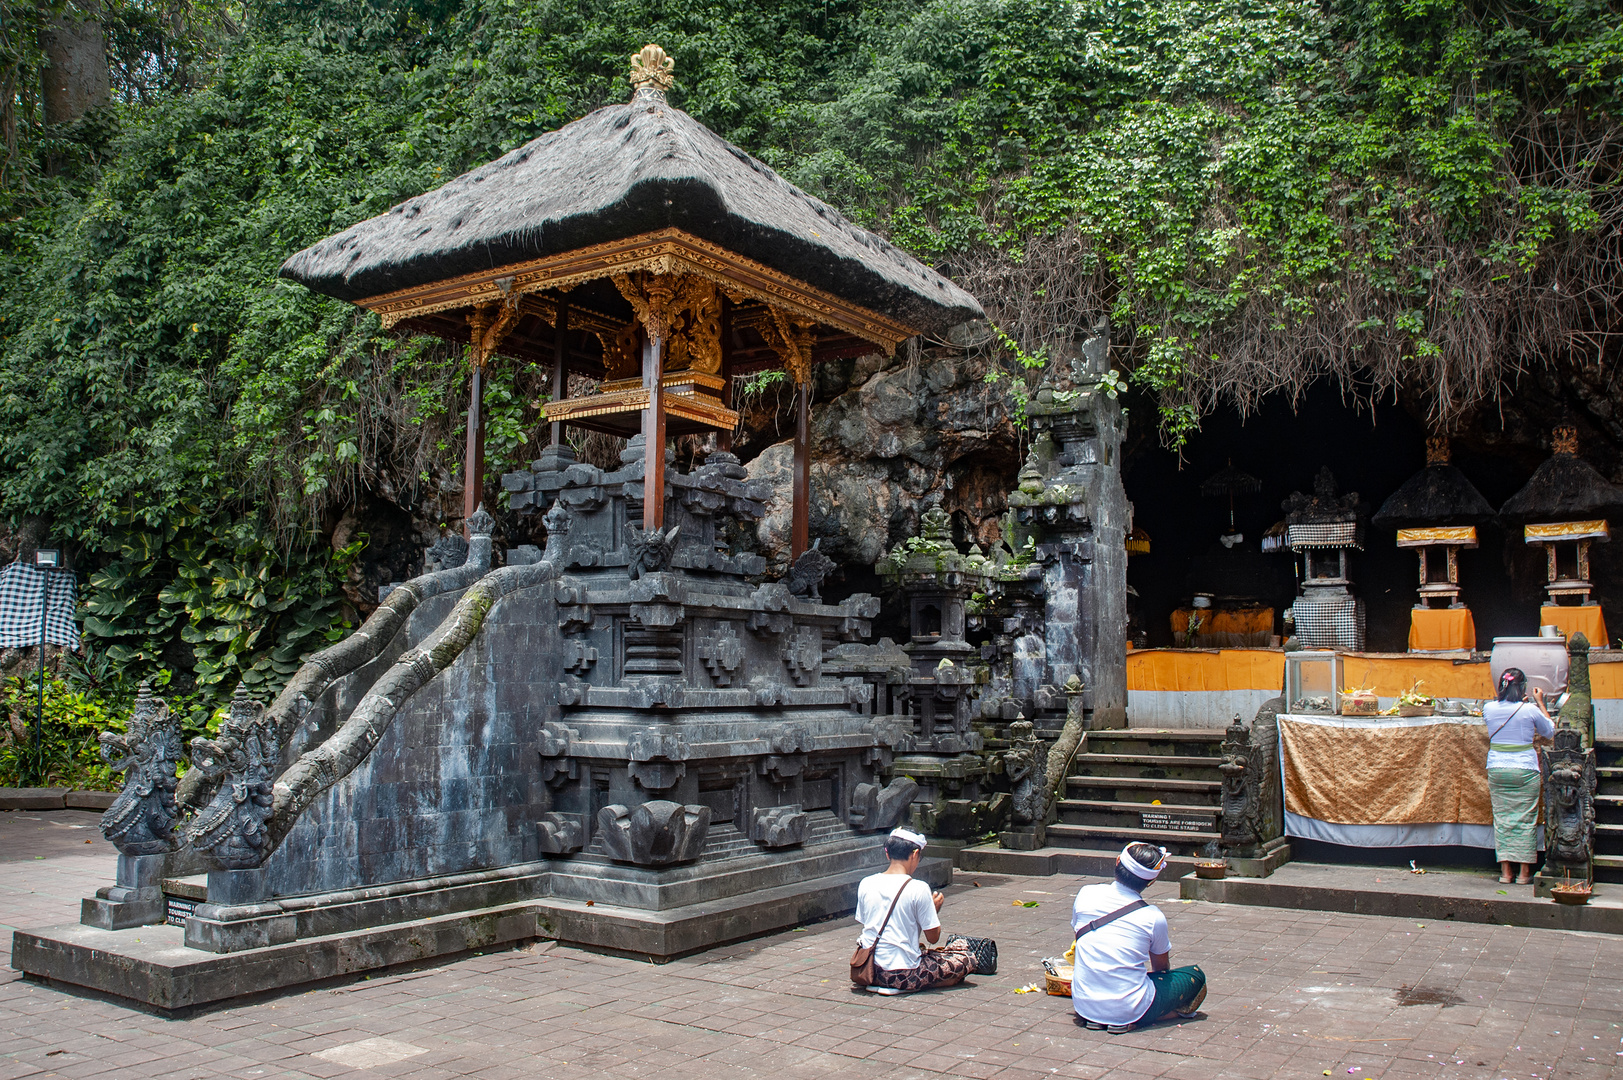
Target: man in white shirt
[1117,934]
[900,966]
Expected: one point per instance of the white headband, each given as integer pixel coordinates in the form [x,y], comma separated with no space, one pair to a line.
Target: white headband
[1137,869]
[916,839]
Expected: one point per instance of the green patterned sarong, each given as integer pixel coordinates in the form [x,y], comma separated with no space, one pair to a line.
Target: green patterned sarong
[1515,813]
[1175,990]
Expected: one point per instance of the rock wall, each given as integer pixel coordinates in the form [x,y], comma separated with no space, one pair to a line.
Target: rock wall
[889,436]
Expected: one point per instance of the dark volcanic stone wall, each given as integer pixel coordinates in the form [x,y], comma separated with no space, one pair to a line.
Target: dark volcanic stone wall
[452,786]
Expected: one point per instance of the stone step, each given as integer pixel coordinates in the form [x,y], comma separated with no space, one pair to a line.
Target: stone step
[1143,789]
[1608,839]
[1190,786]
[1114,814]
[1155,742]
[1210,735]
[1609,868]
[1147,766]
[1105,836]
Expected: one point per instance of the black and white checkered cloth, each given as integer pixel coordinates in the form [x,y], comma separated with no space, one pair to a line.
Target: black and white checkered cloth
[1330,535]
[22,589]
[1330,622]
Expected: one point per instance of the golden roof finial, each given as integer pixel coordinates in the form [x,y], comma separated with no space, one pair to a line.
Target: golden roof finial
[652,68]
[1564,439]
[1437,450]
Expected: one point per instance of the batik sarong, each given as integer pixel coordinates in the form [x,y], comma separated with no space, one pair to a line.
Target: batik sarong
[937,967]
[1515,814]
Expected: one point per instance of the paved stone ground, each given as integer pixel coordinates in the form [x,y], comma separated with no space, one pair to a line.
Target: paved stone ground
[1293,994]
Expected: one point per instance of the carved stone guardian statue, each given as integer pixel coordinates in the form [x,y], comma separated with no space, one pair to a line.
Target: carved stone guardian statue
[230,831]
[141,821]
[1020,766]
[1569,808]
[1241,783]
[1570,779]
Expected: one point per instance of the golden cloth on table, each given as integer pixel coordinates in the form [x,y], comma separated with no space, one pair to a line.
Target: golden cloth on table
[1205,669]
[1437,629]
[1386,772]
[1572,620]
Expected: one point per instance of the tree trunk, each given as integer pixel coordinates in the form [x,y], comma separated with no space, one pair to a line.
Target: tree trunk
[76,78]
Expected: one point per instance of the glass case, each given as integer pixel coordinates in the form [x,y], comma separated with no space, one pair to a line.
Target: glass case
[1313,681]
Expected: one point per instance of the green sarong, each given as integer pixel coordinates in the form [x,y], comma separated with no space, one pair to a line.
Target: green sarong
[1515,813]
[1175,990]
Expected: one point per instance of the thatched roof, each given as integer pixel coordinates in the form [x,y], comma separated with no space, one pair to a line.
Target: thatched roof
[1564,488]
[1439,494]
[624,171]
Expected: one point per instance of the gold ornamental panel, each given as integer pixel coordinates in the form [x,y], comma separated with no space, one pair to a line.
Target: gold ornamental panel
[1458,535]
[1567,530]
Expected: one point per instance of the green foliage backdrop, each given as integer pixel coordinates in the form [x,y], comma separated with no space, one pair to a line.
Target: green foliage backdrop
[1414,195]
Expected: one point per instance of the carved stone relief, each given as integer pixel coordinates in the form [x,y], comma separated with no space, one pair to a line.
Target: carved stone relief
[778,826]
[656,833]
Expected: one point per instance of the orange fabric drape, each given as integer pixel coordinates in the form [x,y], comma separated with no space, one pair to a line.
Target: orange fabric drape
[1571,620]
[1434,629]
[1205,669]
[1390,676]
[1243,621]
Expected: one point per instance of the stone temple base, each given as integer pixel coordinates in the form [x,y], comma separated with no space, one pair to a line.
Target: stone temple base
[151,966]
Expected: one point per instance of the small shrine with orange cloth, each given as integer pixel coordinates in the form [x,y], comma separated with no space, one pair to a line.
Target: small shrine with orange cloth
[1437,512]
[1563,509]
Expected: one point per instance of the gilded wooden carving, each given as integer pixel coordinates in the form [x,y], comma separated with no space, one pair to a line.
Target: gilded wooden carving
[666,251]
[490,323]
[792,341]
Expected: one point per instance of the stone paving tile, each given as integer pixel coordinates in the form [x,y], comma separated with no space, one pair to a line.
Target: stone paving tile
[1293,994]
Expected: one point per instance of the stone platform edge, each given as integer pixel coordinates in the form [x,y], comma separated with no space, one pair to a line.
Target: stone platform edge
[1506,911]
[150,966]
[1048,861]
[12,798]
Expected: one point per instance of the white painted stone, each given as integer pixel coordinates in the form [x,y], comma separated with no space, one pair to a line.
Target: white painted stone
[370,1053]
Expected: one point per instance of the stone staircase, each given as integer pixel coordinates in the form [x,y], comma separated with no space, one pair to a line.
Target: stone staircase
[1609,811]
[1158,786]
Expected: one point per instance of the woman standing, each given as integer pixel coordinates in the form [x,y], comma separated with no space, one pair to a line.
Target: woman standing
[1514,726]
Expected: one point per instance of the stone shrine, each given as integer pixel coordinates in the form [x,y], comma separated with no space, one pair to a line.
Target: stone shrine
[626,740]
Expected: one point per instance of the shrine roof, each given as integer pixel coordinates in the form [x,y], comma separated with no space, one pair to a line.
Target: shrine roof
[1564,488]
[1438,494]
[628,171]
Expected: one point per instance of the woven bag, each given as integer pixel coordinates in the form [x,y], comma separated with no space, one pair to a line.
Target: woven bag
[984,950]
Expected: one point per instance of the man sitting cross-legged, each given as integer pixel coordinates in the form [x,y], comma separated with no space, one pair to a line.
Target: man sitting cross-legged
[899,965]
[1117,934]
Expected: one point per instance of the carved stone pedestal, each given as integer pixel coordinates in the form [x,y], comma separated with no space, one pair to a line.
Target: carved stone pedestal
[1268,858]
[239,915]
[1024,837]
[136,899]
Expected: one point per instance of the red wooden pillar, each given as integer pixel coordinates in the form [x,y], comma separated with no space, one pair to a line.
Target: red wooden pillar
[560,371]
[724,439]
[799,538]
[473,459]
[653,433]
